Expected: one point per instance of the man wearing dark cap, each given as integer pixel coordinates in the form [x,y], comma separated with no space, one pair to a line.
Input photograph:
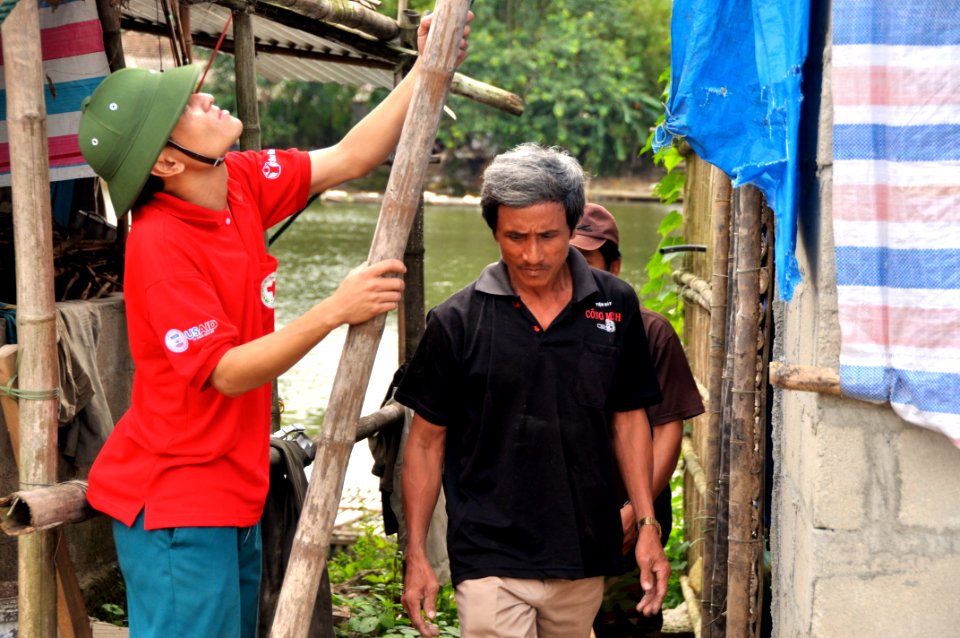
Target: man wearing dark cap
[598,240]
[185,472]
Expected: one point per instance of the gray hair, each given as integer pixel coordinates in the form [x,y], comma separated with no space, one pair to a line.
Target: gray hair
[531,174]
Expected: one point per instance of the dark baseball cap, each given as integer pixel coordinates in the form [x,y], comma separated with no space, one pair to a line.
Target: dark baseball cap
[595,227]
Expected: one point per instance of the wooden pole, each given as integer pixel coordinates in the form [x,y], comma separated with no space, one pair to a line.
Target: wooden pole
[411,317]
[788,376]
[72,618]
[246,72]
[311,543]
[745,543]
[720,213]
[37,331]
[110,24]
[348,14]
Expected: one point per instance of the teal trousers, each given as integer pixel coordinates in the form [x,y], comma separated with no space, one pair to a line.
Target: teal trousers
[190,582]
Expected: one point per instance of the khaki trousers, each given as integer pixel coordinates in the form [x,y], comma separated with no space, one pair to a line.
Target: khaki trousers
[496,607]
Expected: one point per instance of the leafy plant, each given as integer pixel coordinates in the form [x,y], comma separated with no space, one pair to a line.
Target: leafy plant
[660,293]
[114,614]
[368,580]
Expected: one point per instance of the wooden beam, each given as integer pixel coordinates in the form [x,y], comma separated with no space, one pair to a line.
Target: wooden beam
[320,12]
[805,378]
[312,540]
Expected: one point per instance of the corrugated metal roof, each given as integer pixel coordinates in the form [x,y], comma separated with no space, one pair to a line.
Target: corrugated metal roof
[207,22]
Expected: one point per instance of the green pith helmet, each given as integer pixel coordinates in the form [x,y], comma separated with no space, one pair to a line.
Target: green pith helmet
[126,123]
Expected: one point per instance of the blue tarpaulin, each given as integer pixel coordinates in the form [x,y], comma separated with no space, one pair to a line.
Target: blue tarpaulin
[735,97]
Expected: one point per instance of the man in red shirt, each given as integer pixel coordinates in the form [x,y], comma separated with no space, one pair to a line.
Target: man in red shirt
[185,472]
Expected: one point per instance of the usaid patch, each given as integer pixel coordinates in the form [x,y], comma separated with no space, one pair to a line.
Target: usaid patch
[178,341]
[271,168]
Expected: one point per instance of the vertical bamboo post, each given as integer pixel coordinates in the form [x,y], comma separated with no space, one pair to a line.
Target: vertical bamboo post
[720,214]
[718,590]
[744,541]
[246,71]
[33,240]
[110,23]
[411,320]
[312,541]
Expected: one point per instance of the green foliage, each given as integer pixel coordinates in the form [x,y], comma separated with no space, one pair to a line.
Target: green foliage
[368,580]
[586,70]
[114,614]
[677,547]
[660,293]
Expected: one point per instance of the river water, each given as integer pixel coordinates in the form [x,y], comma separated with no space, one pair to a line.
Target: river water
[327,240]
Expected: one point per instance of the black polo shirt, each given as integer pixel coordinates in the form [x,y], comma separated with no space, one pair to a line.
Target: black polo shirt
[529,469]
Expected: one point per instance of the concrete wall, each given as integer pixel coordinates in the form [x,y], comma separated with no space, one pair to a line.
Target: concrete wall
[91,542]
[866,508]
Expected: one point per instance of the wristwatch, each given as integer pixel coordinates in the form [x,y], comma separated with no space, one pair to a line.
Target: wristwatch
[649,520]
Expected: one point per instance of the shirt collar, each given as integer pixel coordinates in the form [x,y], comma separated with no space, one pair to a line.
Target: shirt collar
[494,279]
[188,212]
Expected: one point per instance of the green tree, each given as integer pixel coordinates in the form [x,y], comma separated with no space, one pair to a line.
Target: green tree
[586,70]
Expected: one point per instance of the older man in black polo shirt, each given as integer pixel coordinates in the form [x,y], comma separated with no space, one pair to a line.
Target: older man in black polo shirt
[529,388]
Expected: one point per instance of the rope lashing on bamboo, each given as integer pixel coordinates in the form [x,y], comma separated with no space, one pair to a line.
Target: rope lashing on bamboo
[29,395]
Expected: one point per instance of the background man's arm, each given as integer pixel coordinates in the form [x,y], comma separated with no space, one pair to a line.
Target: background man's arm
[634,451]
[666,453]
[422,464]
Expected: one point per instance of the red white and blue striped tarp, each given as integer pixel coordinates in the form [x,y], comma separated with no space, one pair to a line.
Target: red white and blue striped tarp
[74,64]
[896,205]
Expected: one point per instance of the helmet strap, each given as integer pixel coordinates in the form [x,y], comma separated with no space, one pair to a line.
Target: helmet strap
[212,161]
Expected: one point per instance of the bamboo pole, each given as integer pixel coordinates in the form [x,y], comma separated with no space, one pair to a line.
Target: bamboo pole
[720,212]
[487,94]
[348,14]
[311,543]
[72,618]
[692,465]
[691,295]
[33,240]
[686,278]
[693,607]
[411,317]
[744,551]
[788,376]
[246,72]
[110,24]
[36,510]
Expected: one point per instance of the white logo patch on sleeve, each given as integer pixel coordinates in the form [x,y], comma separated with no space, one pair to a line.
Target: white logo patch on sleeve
[179,340]
[271,168]
[176,341]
